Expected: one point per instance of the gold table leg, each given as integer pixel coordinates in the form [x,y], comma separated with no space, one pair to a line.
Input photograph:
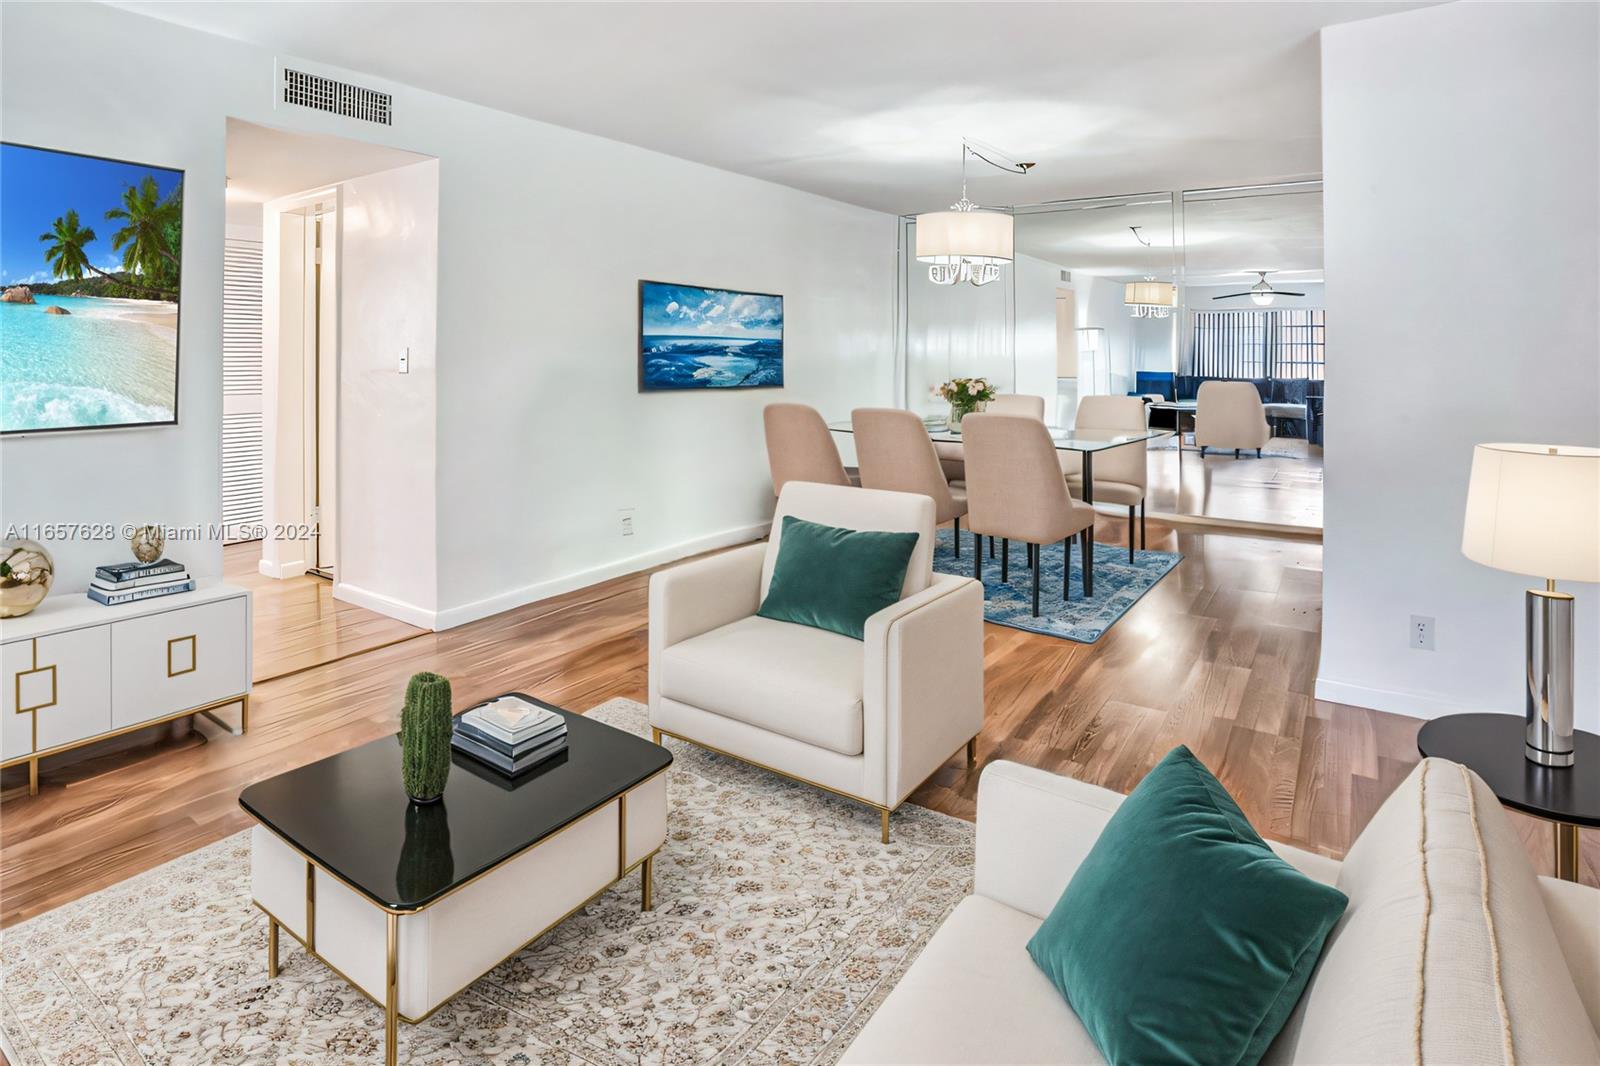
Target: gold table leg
[391,994]
[272,948]
[1566,851]
[33,777]
[646,879]
[972,752]
[884,811]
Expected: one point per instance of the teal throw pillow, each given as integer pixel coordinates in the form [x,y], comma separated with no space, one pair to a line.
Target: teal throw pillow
[833,578]
[1183,938]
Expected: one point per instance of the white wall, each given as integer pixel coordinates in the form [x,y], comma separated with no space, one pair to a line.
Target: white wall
[388,301]
[1460,148]
[1036,284]
[543,235]
[955,331]
[148,112]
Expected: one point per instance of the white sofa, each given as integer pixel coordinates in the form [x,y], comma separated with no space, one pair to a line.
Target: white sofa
[867,719]
[1523,967]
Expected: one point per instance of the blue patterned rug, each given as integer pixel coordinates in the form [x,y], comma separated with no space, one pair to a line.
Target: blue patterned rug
[1117,586]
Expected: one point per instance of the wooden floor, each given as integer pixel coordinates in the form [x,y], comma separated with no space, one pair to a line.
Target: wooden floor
[297,622]
[1220,655]
[1284,487]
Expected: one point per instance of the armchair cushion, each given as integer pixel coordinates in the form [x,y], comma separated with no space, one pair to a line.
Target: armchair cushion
[797,681]
[833,578]
[1182,937]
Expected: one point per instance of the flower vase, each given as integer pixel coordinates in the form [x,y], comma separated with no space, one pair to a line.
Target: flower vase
[958,413]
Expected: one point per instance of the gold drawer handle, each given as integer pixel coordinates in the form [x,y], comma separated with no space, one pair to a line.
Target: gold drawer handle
[17,694]
[194,655]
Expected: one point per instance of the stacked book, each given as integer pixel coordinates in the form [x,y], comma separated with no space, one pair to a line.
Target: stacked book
[510,734]
[130,582]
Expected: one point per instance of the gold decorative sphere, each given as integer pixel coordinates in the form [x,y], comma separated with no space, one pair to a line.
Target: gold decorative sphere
[26,571]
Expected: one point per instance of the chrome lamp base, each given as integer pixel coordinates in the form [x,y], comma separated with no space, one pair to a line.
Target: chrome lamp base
[1548,617]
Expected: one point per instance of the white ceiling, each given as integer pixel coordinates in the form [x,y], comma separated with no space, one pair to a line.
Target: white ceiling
[1222,239]
[865,102]
[265,163]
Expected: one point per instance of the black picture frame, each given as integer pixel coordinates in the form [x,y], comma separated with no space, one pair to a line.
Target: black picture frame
[177,327]
[639,335]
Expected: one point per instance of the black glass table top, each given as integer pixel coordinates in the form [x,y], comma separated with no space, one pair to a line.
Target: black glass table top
[350,814]
[1490,745]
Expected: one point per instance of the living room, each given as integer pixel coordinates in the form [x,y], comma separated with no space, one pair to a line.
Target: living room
[821,764]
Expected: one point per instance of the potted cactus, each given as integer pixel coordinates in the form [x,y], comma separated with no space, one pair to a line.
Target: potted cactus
[425,724]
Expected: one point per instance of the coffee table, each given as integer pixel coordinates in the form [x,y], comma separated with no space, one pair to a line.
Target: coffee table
[411,903]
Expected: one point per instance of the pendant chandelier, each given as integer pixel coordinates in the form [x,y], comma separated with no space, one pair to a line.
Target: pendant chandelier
[1150,298]
[967,243]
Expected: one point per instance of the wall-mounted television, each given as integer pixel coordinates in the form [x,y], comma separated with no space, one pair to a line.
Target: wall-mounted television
[91,269]
[692,337]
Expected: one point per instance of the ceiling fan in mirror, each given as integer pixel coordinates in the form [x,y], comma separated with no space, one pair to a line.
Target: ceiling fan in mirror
[1261,293]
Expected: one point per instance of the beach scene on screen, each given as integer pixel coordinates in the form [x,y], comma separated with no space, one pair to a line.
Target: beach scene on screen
[90,265]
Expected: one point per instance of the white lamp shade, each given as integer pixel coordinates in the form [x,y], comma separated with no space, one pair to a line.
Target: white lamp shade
[1535,509]
[949,237]
[1149,294]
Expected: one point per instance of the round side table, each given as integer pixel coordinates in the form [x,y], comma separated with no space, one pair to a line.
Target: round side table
[1490,745]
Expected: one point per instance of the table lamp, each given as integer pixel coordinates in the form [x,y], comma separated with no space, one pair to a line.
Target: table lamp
[1535,509]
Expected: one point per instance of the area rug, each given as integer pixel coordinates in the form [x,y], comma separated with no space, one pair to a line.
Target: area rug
[780,924]
[1118,584]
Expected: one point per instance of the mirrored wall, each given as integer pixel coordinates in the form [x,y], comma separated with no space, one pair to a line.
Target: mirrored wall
[1150,294]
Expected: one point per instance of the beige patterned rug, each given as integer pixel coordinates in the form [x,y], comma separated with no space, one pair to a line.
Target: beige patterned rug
[780,924]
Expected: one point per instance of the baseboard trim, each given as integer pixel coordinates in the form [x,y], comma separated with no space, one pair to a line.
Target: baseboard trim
[451,617]
[282,571]
[409,613]
[1392,701]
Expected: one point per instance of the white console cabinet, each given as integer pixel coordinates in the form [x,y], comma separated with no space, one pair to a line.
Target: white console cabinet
[75,671]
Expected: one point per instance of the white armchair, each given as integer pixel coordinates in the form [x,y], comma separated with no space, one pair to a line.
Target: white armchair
[870,719]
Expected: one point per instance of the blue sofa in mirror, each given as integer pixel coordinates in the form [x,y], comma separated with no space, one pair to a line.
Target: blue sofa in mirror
[1293,406]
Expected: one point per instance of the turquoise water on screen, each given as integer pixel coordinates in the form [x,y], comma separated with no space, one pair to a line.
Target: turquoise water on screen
[107,362]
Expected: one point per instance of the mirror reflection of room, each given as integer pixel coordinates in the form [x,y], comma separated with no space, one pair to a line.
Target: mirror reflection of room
[1206,304]
[1252,313]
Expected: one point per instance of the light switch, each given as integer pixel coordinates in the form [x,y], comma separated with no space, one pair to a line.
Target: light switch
[405,360]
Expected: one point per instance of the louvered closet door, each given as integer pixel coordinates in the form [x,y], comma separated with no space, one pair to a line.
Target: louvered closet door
[241,387]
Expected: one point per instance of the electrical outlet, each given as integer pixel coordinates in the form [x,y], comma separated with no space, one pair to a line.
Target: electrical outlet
[626,514]
[1421,632]
[405,360]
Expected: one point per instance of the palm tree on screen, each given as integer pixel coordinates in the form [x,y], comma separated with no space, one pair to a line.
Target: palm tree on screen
[149,218]
[67,256]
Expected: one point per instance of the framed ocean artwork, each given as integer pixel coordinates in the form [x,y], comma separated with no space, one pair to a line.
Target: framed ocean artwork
[692,337]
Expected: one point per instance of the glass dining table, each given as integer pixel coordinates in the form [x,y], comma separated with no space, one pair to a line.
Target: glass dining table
[1085,442]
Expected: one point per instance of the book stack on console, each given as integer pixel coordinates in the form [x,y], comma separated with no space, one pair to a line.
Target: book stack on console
[130,582]
[510,734]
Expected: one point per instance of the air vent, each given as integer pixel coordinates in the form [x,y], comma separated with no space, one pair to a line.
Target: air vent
[338,97]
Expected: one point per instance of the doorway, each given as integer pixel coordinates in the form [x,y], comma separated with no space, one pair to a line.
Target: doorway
[304,389]
[306,200]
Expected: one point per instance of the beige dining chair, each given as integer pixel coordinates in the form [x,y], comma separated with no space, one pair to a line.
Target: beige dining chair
[1015,492]
[800,447]
[1019,404]
[1121,475]
[1229,414]
[949,452]
[895,453]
